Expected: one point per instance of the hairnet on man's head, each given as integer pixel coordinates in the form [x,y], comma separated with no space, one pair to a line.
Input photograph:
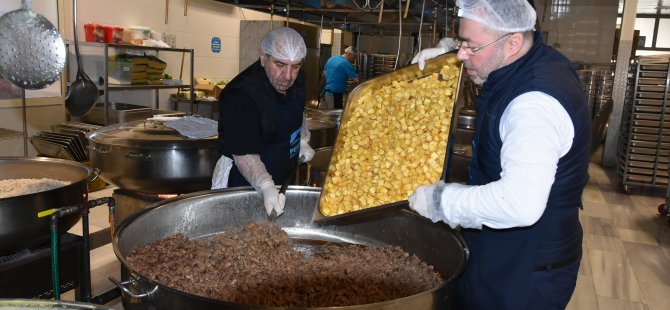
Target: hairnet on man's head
[284,43]
[504,16]
[351,50]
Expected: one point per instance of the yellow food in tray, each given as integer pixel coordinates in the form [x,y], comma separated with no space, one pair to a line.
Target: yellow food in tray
[394,139]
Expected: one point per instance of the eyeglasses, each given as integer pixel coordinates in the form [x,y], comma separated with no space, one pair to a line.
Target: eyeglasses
[472,50]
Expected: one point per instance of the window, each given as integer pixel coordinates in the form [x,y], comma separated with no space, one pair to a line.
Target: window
[646,27]
[663,37]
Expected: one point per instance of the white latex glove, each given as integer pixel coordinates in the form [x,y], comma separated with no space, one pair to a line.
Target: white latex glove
[306,151]
[272,199]
[448,44]
[426,54]
[426,201]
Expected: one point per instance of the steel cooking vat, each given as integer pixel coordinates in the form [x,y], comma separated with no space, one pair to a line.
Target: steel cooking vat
[213,212]
[19,226]
[148,157]
[43,304]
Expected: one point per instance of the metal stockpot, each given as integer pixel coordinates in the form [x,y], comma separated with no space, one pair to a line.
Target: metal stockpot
[145,156]
[212,212]
[41,304]
[19,226]
[323,133]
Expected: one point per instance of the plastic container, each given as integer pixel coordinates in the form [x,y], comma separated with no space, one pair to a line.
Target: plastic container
[113,34]
[136,34]
[94,33]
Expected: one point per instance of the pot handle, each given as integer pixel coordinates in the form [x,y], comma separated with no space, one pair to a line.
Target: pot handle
[124,289]
[98,148]
[138,156]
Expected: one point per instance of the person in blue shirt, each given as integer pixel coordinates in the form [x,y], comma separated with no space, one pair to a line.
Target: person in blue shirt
[338,70]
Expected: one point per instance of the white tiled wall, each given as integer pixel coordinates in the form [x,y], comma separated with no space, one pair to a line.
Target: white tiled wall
[583,33]
[205,19]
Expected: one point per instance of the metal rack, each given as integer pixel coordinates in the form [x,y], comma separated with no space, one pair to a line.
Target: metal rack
[107,87]
[644,144]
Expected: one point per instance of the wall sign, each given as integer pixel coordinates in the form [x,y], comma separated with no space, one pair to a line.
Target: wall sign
[216,44]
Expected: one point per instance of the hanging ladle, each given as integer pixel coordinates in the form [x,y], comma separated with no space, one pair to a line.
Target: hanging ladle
[32,52]
[83,93]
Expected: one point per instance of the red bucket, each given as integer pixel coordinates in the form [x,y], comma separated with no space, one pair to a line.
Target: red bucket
[113,34]
[94,33]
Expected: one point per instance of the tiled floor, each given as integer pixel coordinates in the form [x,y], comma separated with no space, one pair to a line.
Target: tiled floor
[626,261]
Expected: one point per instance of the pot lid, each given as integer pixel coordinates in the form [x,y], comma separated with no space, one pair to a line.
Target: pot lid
[147,134]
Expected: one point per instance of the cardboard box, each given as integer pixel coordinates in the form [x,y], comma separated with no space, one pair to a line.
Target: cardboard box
[217,90]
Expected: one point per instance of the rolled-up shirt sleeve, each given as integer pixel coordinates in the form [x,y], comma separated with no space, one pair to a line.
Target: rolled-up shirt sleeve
[536,131]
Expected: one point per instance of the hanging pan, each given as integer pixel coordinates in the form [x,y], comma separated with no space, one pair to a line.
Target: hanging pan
[32,52]
[83,93]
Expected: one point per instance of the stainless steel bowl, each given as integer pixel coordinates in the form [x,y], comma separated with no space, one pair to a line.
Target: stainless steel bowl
[19,226]
[212,212]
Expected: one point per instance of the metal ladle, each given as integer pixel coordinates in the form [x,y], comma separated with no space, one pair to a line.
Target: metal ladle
[83,93]
[32,52]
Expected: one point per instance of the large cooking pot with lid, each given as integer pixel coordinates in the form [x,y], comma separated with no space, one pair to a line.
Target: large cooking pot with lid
[42,304]
[19,226]
[146,156]
[212,212]
[322,133]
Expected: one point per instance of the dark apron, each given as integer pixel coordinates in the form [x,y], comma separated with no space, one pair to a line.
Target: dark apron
[501,261]
[282,152]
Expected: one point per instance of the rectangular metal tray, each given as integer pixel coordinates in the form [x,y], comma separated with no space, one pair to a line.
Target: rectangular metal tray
[120,113]
[409,73]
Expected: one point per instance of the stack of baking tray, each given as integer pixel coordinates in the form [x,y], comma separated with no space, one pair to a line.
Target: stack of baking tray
[644,147]
[59,145]
[80,129]
[382,63]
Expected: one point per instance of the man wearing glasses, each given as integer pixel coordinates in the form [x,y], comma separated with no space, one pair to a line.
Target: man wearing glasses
[519,211]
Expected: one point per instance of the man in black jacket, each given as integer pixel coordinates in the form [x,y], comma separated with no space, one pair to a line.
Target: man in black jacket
[262,130]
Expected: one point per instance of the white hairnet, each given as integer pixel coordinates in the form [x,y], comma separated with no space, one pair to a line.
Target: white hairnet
[350,50]
[505,16]
[284,43]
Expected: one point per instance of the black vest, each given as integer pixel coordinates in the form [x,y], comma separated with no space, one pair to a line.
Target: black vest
[497,275]
[281,121]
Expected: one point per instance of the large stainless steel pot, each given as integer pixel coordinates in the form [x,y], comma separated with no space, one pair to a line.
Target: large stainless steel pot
[145,156]
[323,133]
[41,304]
[19,226]
[212,212]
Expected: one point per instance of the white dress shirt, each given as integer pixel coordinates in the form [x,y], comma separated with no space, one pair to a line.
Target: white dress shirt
[536,132]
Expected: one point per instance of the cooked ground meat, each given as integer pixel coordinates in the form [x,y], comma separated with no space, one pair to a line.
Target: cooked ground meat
[19,187]
[260,265]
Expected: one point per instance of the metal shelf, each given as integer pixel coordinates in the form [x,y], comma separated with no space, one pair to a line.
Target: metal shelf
[135,47]
[142,87]
[6,134]
[645,135]
[107,87]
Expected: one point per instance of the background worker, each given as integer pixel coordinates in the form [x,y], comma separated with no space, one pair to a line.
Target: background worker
[338,70]
[520,208]
[262,129]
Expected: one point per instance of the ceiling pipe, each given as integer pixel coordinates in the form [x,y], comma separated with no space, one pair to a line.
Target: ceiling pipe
[381,12]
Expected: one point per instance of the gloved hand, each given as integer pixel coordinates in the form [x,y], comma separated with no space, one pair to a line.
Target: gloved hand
[272,199]
[426,201]
[448,44]
[306,151]
[426,54]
